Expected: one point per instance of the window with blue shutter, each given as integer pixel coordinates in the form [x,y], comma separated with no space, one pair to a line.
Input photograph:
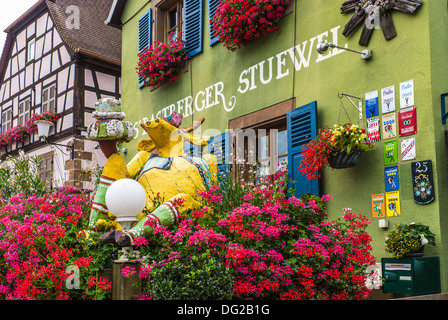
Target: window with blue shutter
[212,5]
[193,27]
[144,36]
[302,128]
[192,150]
[221,146]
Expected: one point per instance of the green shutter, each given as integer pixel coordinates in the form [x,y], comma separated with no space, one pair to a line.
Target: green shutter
[193,27]
[144,36]
[302,128]
[212,5]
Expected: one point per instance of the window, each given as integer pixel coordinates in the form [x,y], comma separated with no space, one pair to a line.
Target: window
[174,19]
[261,151]
[172,16]
[49,98]
[260,141]
[31,50]
[176,16]
[272,153]
[6,120]
[24,111]
[45,169]
[257,145]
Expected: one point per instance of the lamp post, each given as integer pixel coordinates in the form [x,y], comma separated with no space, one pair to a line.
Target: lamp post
[125,199]
[322,48]
[43,129]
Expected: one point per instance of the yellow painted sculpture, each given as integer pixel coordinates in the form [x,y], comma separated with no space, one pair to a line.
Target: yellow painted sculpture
[164,171]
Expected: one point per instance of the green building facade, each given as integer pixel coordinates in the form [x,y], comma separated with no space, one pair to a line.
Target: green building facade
[258,85]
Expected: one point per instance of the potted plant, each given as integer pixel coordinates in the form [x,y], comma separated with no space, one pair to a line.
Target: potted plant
[49,115]
[408,240]
[236,22]
[161,61]
[338,148]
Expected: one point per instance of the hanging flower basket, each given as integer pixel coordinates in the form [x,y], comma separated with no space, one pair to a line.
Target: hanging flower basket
[237,22]
[342,160]
[160,62]
[338,148]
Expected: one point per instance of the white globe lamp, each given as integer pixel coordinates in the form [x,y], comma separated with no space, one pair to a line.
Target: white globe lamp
[125,199]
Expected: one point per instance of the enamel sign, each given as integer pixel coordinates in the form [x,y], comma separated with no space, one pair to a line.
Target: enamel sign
[393,204]
[408,149]
[389,125]
[407,94]
[391,178]
[372,108]
[373,129]
[378,206]
[388,99]
[407,119]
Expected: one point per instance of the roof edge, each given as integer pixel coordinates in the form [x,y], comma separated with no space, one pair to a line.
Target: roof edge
[24,16]
[115,13]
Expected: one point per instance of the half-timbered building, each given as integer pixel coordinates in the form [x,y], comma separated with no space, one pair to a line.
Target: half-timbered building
[59,56]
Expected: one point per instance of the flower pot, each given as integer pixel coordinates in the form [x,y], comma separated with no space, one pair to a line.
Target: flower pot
[341,160]
[416,253]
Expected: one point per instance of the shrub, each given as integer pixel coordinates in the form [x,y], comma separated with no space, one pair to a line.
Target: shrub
[198,277]
[274,246]
[43,239]
[18,175]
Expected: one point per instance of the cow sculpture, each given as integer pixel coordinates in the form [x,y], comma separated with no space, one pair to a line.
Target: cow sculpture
[170,174]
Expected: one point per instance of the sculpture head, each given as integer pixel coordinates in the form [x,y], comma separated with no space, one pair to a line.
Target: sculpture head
[168,139]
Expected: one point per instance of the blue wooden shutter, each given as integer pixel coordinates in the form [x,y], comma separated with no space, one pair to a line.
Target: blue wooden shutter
[144,36]
[212,5]
[221,147]
[302,128]
[193,27]
[192,150]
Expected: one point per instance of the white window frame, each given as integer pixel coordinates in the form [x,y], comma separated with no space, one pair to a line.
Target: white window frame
[24,111]
[6,120]
[49,102]
[31,50]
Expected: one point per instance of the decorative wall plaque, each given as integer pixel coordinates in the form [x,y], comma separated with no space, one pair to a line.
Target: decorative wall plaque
[389,125]
[408,149]
[391,180]
[422,181]
[378,206]
[388,99]
[373,129]
[372,108]
[407,94]
[407,121]
[374,13]
[390,152]
[393,204]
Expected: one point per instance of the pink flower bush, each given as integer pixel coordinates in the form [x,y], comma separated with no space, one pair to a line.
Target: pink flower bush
[236,22]
[276,246]
[160,62]
[40,238]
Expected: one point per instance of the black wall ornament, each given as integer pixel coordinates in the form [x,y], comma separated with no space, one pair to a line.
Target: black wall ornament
[374,13]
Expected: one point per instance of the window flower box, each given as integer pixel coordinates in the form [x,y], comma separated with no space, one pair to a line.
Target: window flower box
[237,22]
[161,62]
